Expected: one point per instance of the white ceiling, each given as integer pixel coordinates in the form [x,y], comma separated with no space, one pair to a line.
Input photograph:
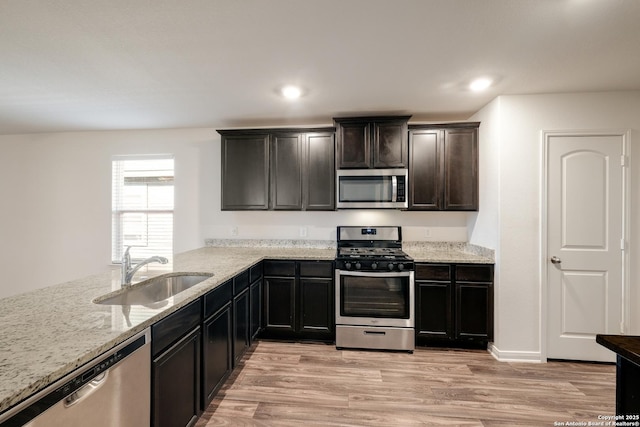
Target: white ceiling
[70,65]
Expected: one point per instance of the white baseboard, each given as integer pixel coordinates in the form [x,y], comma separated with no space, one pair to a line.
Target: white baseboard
[515,356]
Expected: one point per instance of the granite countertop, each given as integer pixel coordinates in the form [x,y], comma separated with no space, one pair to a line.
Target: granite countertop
[627,346]
[48,333]
[451,252]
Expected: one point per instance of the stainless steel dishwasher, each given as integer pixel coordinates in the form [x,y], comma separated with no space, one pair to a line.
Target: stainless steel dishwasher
[112,390]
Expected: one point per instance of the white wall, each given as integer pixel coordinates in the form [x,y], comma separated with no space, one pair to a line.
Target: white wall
[55,223]
[484,226]
[521,120]
[55,189]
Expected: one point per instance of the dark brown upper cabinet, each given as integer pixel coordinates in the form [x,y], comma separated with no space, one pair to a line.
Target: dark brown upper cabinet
[319,168]
[443,167]
[286,171]
[245,171]
[372,142]
[278,169]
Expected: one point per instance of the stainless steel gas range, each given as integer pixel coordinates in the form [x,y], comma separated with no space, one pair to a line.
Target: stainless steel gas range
[374,290]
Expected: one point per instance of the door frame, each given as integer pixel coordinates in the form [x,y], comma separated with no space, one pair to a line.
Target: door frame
[626,215]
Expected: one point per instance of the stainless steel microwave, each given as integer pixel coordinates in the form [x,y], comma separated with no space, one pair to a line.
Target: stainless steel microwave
[371,188]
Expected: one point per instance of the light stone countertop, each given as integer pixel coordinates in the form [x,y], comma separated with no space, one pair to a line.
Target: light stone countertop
[448,252]
[48,333]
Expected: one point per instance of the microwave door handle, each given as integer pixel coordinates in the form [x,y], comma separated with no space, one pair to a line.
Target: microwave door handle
[394,188]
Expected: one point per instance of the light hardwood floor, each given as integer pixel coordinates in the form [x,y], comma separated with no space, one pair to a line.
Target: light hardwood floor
[310,384]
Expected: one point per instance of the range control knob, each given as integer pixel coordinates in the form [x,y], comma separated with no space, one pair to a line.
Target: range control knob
[358,266]
[347,265]
[390,266]
[401,266]
[374,265]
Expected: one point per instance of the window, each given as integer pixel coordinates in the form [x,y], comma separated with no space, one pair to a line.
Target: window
[142,207]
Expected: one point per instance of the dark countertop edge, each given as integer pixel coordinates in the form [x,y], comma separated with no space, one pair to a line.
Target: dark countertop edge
[627,346]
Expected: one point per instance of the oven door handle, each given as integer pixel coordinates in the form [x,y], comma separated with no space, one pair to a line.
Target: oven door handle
[375,274]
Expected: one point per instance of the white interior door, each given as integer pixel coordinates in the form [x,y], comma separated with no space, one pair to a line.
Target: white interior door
[585,228]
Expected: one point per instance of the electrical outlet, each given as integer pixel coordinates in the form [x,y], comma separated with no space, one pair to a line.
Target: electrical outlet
[234,231]
[303,231]
[427,232]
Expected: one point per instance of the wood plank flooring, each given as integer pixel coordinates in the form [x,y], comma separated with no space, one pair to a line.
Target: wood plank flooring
[310,384]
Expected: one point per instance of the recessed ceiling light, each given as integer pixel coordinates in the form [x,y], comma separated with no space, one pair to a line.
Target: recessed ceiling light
[480,84]
[291,92]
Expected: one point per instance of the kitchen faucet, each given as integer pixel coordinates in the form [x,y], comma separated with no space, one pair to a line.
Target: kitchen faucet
[128,271]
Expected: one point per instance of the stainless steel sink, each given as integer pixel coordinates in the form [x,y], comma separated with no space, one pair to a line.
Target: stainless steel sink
[153,290]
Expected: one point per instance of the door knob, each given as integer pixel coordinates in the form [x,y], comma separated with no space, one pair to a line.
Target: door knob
[555,260]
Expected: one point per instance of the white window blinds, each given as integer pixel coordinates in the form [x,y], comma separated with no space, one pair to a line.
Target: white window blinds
[142,207]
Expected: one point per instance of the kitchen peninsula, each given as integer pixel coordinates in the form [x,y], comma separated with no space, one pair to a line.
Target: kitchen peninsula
[50,332]
[627,349]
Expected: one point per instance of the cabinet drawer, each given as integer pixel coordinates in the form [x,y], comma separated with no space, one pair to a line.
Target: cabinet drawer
[255,272]
[171,328]
[241,282]
[280,268]
[316,269]
[217,298]
[433,272]
[474,273]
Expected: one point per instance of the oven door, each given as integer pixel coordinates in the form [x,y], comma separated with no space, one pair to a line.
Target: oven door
[375,299]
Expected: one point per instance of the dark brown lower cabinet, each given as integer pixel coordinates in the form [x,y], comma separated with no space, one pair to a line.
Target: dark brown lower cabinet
[176,383]
[474,311]
[317,317]
[255,301]
[279,304]
[175,367]
[255,309]
[240,325]
[216,352]
[433,318]
[454,303]
[299,300]
[240,316]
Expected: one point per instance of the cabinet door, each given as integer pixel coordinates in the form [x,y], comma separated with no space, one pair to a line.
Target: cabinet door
[319,172]
[245,172]
[286,171]
[425,178]
[474,311]
[354,145]
[433,310]
[390,144]
[240,325]
[255,309]
[176,383]
[317,315]
[460,169]
[216,351]
[279,303]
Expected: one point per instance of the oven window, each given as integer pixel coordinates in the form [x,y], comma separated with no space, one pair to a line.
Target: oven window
[366,189]
[385,297]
